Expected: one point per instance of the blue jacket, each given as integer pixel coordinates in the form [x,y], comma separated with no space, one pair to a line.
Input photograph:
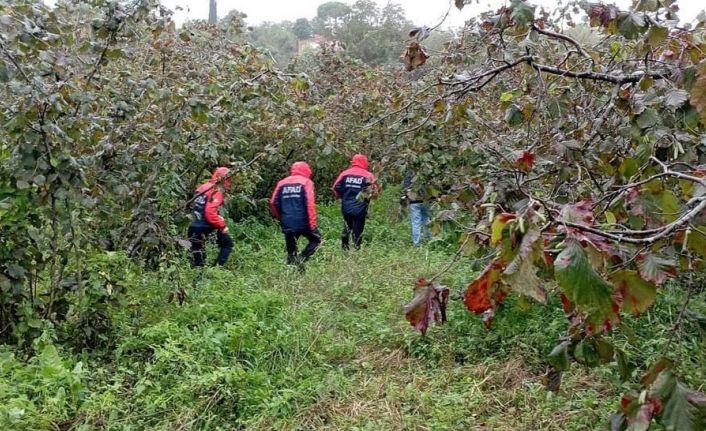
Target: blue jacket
[351,182]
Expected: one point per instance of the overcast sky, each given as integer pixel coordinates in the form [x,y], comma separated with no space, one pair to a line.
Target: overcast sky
[421,12]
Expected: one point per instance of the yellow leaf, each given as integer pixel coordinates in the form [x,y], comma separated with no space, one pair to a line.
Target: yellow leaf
[498,225]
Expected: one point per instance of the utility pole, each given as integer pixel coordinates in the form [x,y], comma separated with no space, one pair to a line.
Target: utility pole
[212,12]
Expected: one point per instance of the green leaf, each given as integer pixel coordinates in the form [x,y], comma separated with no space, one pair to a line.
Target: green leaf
[683,408]
[647,5]
[513,115]
[507,96]
[525,281]
[697,241]
[498,224]
[583,286]
[631,25]
[656,35]
[623,365]
[698,92]
[637,294]
[522,13]
[675,98]
[559,356]
[586,352]
[4,73]
[647,119]
[629,167]
[521,273]
[669,204]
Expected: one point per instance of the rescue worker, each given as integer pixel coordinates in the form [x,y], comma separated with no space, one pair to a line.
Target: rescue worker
[355,187]
[293,203]
[207,201]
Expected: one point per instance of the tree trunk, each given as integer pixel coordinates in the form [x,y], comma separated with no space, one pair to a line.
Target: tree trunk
[212,12]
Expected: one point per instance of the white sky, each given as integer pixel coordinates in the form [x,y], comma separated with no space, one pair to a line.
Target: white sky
[421,12]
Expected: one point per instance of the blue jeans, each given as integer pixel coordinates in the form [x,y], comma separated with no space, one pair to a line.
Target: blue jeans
[419,218]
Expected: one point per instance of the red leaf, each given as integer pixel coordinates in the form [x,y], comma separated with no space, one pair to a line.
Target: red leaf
[428,305]
[524,161]
[654,268]
[625,401]
[651,375]
[580,212]
[634,294]
[566,304]
[483,295]
[414,56]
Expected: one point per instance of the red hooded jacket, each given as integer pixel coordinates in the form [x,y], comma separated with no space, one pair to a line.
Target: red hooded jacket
[209,199]
[293,201]
[351,182]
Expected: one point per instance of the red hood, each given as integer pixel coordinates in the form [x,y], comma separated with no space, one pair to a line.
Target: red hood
[220,173]
[301,168]
[359,161]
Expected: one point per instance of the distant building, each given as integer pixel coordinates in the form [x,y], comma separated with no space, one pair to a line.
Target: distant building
[317,42]
[314,42]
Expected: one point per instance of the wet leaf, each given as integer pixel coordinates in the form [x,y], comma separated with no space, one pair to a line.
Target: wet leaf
[483,293]
[428,305]
[655,269]
[580,212]
[656,35]
[497,227]
[522,13]
[682,408]
[698,92]
[584,287]
[648,118]
[675,98]
[524,161]
[414,56]
[521,273]
[635,294]
[513,115]
[559,356]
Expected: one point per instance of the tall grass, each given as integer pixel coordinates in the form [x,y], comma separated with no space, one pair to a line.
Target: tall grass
[259,346]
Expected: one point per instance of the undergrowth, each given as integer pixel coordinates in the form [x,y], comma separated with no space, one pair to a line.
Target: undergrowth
[259,346]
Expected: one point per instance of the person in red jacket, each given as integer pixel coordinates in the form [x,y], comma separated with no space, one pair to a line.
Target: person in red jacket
[354,187]
[293,203]
[207,201]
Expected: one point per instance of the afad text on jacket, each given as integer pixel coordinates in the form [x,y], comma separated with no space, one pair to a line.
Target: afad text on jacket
[293,202]
[351,182]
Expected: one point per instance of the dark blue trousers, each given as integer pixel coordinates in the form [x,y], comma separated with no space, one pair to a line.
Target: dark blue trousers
[198,236]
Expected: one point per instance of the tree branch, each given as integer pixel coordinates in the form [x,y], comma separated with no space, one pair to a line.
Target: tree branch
[562,37]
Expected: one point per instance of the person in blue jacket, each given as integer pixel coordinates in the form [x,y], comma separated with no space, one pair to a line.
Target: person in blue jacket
[354,186]
[293,203]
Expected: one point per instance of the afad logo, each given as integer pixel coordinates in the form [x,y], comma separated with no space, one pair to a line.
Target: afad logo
[292,189]
[354,180]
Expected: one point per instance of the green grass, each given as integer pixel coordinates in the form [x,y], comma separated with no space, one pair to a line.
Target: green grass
[259,346]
